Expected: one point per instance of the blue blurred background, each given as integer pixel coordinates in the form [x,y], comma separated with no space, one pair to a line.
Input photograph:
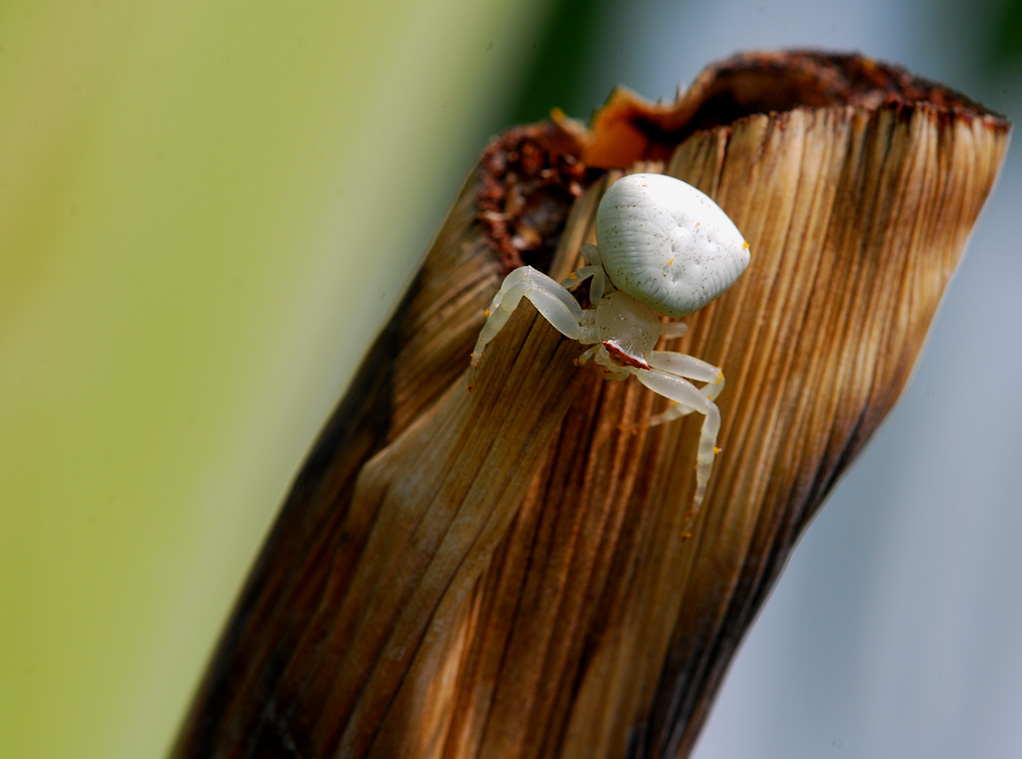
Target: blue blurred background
[206,214]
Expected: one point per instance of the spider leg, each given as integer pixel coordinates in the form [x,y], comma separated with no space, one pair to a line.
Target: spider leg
[594,269]
[550,299]
[688,398]
[673,329]
[591,254]
[587,355]
[579,276]
[691,368]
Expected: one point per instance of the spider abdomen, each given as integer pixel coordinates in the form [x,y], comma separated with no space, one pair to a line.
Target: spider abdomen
[667,244]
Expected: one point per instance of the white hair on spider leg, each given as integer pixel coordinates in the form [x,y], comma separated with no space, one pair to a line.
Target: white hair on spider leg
[662,247]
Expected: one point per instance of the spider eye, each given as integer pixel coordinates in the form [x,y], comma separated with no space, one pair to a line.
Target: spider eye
[667,244]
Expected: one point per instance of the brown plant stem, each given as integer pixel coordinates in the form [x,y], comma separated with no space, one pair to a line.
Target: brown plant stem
[508,572]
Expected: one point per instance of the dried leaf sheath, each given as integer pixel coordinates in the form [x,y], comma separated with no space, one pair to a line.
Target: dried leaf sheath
[852,267]
[502,572]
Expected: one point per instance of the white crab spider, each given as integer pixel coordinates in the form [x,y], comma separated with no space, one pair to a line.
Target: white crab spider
[662,247]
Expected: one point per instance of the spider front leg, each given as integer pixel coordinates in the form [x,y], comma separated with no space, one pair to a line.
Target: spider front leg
[551,300]
[690,368]
[662,378]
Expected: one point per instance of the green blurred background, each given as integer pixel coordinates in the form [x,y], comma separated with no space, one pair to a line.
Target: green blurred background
[207,210]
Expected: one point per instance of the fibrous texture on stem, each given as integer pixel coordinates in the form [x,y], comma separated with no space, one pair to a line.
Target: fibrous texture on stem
[511,572]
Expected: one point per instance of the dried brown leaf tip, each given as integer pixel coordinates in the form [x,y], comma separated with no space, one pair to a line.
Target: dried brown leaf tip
[503,572]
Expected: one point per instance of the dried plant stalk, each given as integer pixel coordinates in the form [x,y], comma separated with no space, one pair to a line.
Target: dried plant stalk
[505,572]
